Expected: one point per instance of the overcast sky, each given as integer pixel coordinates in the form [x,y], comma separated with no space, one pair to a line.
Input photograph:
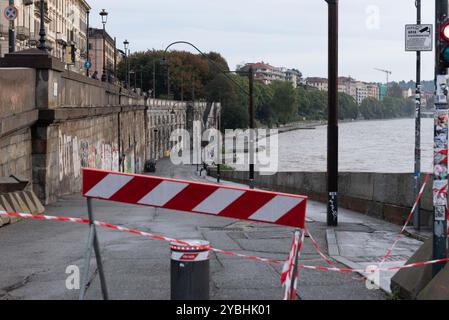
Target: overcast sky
[290,33]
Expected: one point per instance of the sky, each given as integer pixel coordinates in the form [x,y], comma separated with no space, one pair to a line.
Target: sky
[288,33]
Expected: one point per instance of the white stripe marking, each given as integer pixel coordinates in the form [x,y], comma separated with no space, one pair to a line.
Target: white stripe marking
[107,187]
[276,208]
[163,193]
[218,201]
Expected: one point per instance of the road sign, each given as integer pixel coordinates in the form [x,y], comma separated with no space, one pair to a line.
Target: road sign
[88,64]
[11,13]
[418,37]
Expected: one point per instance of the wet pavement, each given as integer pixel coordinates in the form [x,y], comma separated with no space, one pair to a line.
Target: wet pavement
[35,254]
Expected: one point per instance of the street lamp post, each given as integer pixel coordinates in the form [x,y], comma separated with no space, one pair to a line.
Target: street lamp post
[42,34]
[332,129]
[126,45]
[417,177]
[104,20]
[87,40]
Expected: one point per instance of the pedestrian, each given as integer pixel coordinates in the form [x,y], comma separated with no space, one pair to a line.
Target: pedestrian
[95,75]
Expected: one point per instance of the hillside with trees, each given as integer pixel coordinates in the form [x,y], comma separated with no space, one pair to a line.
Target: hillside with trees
[188,76]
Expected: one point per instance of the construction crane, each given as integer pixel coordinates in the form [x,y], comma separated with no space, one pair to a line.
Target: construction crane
[387,72]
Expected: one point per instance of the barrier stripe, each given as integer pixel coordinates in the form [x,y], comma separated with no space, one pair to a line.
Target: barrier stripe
[253,258]
[196,197]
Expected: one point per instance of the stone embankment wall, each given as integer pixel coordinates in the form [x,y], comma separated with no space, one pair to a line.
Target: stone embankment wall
[387,196]
[54,122]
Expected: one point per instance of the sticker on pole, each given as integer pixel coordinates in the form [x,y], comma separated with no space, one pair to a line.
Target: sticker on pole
[418,37]
[11,13]
[196,197]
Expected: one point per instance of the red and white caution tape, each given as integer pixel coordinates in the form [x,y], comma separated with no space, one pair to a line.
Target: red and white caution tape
[289,275]
[409,218]
[167,239]
[318,249]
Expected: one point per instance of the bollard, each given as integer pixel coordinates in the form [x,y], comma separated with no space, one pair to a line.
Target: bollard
[190,270]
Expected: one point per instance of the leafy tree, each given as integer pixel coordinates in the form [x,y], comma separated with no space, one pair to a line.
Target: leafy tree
[284,102]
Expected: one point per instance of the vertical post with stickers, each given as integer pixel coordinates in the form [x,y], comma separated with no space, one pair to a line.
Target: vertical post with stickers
[440,185]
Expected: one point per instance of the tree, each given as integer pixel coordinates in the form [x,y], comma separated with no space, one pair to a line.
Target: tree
[395,91]
[348,108]
[284,102]
[371,108]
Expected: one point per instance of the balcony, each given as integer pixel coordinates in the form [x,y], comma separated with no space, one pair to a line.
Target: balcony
[61,39]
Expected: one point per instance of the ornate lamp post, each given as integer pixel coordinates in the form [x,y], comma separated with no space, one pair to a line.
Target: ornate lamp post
[104,20]
[42,40]
[126,45]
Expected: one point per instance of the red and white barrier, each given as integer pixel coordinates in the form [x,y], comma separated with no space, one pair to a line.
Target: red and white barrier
[245,204]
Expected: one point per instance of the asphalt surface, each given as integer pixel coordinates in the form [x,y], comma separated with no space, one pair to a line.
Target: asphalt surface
[34,254]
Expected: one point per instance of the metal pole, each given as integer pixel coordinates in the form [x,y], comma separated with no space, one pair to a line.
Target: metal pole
[126,67]
[115,57]
[332,133]
[87,39]
[11,33]
[103,76]
[441,114]
[42,46]
[251,127]
[154,79]
[93,243]
[417,177]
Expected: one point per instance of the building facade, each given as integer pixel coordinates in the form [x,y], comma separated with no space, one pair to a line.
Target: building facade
[267,73]
[359,90]
[112,55]
[65,26]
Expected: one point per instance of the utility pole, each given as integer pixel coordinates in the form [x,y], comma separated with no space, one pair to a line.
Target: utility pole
[251,127]
[440,184]
[417,177]
[332,128]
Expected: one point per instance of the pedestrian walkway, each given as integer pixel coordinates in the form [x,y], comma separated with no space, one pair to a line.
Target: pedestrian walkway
[35,254]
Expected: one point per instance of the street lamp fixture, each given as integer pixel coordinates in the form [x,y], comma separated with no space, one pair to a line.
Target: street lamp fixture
[104,20]
[126,45]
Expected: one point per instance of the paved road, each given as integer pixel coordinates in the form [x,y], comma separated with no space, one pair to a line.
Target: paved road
[35,254]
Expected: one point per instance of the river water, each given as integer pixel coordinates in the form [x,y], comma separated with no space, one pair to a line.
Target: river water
[365,146]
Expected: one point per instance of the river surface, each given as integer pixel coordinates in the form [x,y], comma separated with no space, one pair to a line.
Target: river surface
[365,146]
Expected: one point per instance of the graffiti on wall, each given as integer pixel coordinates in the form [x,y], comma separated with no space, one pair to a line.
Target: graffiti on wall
[75,153]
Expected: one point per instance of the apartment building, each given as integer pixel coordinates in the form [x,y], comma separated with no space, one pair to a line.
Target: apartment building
[318,83]
[65,24]
[267,73]
[359,90]
[96,52]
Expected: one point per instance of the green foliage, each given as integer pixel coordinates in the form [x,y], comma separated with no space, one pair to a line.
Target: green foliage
[193,76]
[389,108]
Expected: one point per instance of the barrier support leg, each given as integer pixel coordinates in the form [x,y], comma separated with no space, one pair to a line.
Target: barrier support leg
[93,243]
[295,267]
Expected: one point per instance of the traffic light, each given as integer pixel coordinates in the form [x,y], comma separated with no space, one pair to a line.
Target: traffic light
[444,52]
